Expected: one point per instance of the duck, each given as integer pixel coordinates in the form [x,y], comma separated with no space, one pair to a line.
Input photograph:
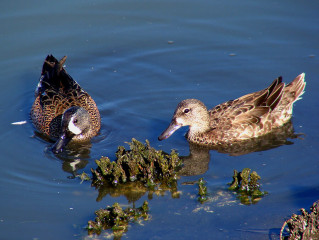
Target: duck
[247,117]
[62,110]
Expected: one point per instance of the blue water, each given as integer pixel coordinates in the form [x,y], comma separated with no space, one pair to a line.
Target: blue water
[138,59]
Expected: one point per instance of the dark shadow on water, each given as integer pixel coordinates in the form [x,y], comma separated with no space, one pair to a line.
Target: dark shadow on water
[305,196]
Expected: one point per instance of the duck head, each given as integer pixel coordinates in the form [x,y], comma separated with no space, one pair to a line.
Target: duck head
[189,112]
[75,122]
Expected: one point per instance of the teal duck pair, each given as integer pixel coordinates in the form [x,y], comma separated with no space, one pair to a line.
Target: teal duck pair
[64,112]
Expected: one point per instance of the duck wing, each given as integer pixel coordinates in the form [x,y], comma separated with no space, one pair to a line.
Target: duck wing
[248,109]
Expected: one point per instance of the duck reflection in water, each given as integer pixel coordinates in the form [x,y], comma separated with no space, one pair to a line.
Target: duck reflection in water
[198,160]
[73,158]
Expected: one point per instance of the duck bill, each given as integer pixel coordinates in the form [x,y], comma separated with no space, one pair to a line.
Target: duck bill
[60,143]
[169,131]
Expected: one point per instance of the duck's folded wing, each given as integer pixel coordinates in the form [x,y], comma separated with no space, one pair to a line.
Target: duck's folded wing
[248,109]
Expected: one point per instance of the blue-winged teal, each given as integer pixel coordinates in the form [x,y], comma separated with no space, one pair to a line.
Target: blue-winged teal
[62,110]
[247,117]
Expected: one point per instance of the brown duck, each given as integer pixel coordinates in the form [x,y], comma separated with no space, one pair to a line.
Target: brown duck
[62,110]
[247,117]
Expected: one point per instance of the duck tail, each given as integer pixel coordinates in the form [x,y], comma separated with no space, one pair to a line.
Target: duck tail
[54,76]
[52,65]
[292,92]
[296,88]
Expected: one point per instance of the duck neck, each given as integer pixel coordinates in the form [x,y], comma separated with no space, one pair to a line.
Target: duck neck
[201,125]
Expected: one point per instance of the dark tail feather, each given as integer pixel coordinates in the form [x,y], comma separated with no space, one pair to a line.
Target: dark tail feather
[275,96]
[272,95]
[274,84]
[54,76]
[51,64]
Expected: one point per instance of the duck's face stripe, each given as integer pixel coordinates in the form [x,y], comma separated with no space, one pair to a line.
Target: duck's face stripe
[72,128]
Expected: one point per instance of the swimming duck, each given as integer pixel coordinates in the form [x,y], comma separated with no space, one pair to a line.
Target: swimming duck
[62,110]
[247,117]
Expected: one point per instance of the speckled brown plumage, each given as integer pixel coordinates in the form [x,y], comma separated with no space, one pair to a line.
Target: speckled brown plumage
[249,116]
[57,92]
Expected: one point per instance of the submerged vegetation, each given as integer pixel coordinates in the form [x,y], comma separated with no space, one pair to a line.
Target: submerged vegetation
[303,226]
[117,219]
[245,183]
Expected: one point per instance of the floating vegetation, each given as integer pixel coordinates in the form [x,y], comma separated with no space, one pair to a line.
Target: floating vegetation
[117,219]
[245,183]
[140,163]
[304,226]
[84,177]
[202,191]
[136,171]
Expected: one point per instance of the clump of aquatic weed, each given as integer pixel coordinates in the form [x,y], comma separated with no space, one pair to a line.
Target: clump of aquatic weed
[84,177]
[133,173]
[245,183]
[117,219]
[202,191]
[141,163]
[304,226]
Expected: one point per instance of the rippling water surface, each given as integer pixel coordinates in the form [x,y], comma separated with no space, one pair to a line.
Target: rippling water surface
[138,59]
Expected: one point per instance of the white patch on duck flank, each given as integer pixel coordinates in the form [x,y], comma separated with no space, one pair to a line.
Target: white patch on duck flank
[74,129]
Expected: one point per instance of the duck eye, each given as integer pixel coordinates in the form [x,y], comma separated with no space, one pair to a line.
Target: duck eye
[75,120]
[186,110]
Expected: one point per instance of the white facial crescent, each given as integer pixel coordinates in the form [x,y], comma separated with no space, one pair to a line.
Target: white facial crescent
[74,129]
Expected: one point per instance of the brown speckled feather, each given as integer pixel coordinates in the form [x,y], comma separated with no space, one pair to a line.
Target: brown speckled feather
[56,92]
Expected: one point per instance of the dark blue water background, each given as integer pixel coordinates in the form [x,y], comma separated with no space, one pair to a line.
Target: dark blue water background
[138,59]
